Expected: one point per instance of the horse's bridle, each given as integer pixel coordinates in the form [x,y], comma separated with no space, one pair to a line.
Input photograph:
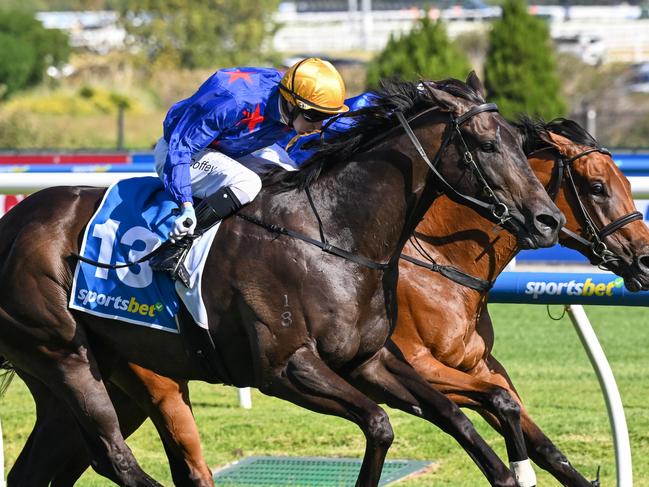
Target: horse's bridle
[594,236]
[497,208]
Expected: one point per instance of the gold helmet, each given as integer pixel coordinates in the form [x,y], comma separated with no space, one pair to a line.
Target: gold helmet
[314,85]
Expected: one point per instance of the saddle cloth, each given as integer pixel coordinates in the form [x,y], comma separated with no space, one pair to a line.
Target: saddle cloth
[135,217]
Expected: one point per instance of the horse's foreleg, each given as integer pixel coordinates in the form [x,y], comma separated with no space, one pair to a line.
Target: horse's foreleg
[391,380]
[310,383]
[490,399]
[166,402]
[541,449]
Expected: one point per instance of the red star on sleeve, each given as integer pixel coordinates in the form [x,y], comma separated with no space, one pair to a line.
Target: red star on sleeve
[235,75]
[252,119]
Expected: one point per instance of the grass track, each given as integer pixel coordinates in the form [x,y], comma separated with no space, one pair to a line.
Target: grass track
[544,358]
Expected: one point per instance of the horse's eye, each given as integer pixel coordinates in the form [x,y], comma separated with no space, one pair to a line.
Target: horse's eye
[597,189]
[488,146]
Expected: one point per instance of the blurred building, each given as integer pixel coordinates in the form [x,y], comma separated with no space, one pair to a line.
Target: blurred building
[97,31]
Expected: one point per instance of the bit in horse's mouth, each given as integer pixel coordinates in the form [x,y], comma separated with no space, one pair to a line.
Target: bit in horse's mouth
[524,237]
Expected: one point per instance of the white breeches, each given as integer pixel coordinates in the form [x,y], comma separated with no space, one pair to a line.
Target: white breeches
[212,170]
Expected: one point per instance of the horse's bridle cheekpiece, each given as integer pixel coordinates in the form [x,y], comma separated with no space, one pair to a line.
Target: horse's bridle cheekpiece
[594,236]
[497,208]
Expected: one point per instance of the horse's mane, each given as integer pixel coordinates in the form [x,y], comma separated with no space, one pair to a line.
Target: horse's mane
[573,131]
[393,95]
[534,133]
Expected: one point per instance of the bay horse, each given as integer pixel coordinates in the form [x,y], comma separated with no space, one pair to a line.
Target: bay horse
[328,348]
[446,334]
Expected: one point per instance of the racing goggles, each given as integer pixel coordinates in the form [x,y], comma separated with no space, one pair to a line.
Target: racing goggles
[314,116]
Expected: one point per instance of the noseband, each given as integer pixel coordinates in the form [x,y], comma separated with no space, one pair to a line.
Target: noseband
[594,236]
[497,208]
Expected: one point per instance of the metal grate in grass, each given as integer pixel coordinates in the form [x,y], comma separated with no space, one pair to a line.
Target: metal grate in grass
[307,472]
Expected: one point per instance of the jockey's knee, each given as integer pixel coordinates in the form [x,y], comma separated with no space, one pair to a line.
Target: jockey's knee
[247,188]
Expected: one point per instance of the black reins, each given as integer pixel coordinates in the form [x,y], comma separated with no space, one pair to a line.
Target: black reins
[497,208]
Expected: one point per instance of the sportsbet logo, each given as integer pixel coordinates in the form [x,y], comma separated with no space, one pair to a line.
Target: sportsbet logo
[117,302]
[572,288]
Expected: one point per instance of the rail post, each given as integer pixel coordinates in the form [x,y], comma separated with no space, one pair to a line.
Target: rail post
[609,389]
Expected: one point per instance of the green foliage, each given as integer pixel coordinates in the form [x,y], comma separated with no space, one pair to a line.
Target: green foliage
[425,52]
[520,69]
[200,33]
[60,5]
[16,61]
[27,49]
[88,100]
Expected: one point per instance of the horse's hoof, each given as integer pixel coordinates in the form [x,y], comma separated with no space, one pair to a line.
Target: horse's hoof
[596,482]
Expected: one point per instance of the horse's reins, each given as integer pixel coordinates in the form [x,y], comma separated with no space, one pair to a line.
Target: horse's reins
[497,208]
[595,243]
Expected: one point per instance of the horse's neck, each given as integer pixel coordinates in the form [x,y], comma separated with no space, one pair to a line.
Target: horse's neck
[457,235]
[363,205]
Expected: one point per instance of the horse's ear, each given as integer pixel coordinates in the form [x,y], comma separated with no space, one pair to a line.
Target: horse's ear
[555,140]
[474,82]
[443,99]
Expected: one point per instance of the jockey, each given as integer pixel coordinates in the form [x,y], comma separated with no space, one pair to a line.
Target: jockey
[208,139]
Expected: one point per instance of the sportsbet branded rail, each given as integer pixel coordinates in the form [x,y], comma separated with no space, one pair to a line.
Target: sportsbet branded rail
[602,289]
[573,290]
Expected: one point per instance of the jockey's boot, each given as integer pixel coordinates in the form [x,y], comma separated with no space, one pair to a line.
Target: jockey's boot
[211,210]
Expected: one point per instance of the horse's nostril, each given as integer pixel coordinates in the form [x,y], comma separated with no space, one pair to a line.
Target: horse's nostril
[548,221]
[643,262]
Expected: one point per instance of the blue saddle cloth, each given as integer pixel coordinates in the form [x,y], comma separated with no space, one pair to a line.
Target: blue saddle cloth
[134,218]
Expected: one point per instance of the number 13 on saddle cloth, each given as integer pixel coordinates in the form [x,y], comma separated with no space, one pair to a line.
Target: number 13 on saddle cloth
[132,220]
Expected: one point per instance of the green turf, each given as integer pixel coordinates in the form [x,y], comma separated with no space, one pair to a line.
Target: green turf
[544,358]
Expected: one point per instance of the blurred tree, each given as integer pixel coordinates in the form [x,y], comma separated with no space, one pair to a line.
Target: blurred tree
[32,50]
[425,52]
[520,68]
[61,5]
[17,60]
[200,33]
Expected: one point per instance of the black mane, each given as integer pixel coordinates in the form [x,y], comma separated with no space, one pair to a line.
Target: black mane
[533,130]
[573,131]
[393,95]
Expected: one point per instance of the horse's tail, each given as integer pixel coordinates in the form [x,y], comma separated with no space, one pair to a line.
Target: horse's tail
[7,373]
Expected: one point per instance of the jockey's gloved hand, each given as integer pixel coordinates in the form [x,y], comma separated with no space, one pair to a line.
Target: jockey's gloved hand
[185,223]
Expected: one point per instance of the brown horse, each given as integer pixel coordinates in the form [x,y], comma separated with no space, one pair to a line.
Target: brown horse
[446,334]
[455,358]
[330,345]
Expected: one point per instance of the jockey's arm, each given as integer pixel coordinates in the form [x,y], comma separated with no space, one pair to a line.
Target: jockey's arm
[198,127]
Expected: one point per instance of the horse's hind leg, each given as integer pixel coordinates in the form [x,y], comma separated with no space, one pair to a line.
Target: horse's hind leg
[72,374]
[310,383]
[74,456]
[47,445]
[388,379]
